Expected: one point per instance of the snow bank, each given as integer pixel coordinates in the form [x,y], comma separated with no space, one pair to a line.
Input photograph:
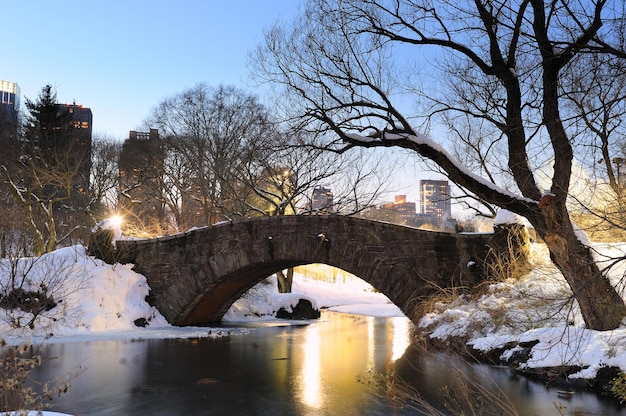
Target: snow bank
[352,295]
[536,307]
[90,295]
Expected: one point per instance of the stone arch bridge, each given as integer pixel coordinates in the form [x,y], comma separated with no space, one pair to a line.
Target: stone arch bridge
[196,276]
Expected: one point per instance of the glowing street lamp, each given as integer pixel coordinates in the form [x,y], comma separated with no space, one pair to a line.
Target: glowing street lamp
[115,221]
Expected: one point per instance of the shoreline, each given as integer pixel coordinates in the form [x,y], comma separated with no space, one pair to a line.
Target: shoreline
[550,376]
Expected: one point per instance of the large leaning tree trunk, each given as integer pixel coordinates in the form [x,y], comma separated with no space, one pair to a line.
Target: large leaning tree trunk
[503,68]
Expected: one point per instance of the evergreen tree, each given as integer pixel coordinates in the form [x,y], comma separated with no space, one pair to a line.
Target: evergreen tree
[45,180]
[48,130]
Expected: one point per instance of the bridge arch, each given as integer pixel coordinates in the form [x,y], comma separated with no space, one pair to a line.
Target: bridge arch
[196,276]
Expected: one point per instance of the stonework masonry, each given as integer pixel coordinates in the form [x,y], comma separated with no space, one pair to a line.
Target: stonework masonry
[196,276]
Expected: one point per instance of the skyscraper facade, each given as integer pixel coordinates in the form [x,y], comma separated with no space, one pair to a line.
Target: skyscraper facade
[74,124]
[322,200]
[9,109]
[10,94]
[81,119]
[400,211]
[141,167]
[435,199]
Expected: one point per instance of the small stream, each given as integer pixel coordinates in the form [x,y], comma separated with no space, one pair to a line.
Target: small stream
[277,369]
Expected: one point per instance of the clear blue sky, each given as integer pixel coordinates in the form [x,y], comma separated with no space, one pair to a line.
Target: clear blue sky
[121,58]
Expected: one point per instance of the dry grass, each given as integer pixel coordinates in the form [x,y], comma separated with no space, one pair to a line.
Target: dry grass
[618,387]
[17,392]
[440,296]
[465,397]
[509,253]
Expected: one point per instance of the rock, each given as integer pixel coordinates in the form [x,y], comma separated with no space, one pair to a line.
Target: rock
[603,382]
[303,310]
[141,322]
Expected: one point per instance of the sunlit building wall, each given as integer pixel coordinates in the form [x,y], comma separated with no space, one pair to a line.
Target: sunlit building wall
[10,94]
[435,199]
[9,110]
[400,211]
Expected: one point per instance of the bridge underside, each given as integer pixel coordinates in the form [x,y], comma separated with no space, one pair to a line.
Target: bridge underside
[211,306]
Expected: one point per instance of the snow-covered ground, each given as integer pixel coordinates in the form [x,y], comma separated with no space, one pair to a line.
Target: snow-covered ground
[96,300]
[348,294]
[536,307]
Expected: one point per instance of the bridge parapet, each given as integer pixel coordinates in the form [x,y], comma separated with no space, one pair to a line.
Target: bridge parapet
[196,276]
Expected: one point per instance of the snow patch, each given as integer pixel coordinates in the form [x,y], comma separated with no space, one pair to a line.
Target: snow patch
[505,217]
[535,308]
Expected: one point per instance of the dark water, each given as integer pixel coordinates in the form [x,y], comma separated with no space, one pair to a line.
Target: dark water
[278,370]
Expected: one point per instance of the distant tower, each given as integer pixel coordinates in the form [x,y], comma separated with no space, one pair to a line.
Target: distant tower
[81,119]
[9,110]
[76,121]
[10,94]
[141,176]
[435,199]
[322,199]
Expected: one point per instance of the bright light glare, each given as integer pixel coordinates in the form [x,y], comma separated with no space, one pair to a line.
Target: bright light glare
[115,220]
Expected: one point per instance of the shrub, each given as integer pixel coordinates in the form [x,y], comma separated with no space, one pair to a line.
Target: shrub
[17,394]
[619,387]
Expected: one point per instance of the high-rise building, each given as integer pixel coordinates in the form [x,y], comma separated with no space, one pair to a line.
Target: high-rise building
[322,200]
[74,124]
[435,199]
[400,211]
[141,175]
[81,119]
[9,109]
[10,94]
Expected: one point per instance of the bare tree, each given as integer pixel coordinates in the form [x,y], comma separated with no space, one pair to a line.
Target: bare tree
[31,191]
[177,182]
[212,132]
[505,61]
[595,96]
[47,173]
[104,176]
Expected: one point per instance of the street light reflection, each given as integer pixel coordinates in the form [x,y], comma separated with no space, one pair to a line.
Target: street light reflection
[329,366]
[310,376]
[401,337]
